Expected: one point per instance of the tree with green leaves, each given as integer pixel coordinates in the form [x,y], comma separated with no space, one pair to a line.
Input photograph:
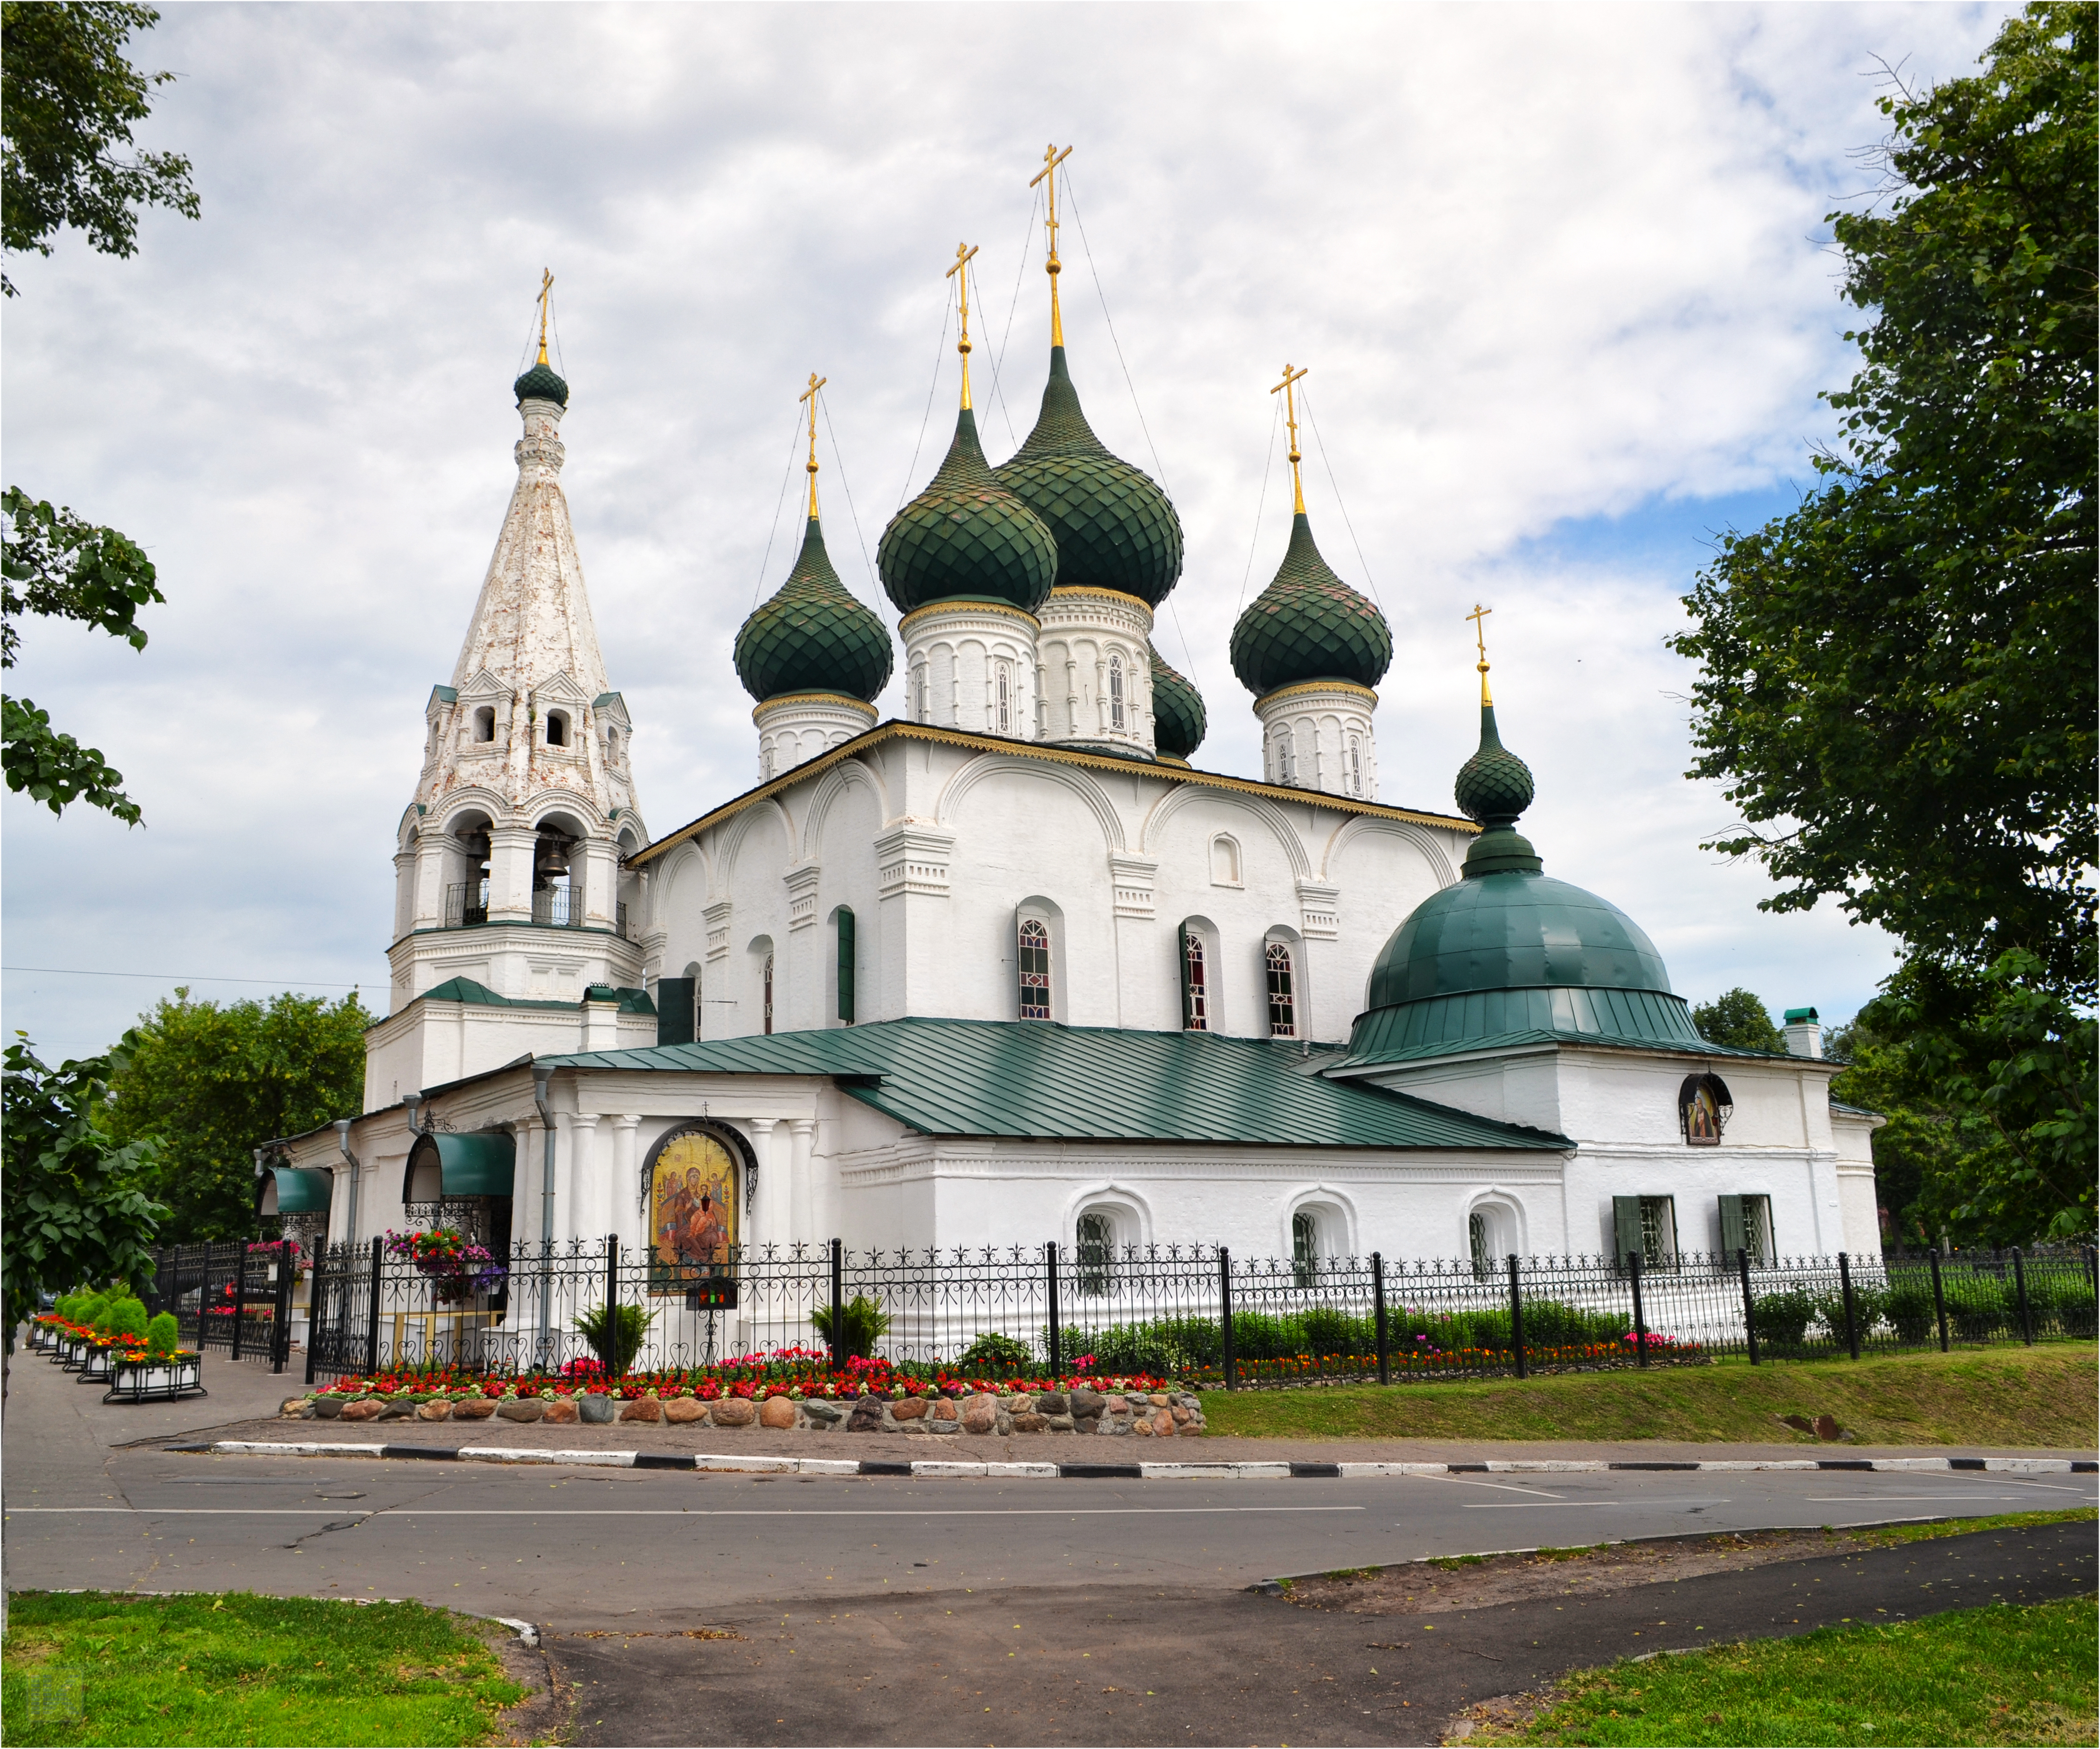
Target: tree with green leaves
[1737,1017]
[212,1082]
[1898,687]
[77,1210]
[69,98]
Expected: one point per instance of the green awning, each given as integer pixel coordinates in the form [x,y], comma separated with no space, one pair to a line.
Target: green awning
[301,1189]
[480,1164]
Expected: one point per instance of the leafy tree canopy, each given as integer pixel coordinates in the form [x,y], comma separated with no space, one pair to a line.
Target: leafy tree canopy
[75,1211]
[1738,1018]
[60,565]
[68,98]
[214,1083]
[1898,684]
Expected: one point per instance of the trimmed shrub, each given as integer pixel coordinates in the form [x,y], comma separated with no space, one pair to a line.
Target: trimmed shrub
[163,1336]
[127,1317]
[1781,1320]
[1908,1309]
[1978,1305]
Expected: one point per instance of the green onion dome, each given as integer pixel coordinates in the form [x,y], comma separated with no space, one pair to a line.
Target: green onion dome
[1308,625]
[813,636]
[966,538]
[1508,952]
[1178,718]
[541,384]
[1114,527]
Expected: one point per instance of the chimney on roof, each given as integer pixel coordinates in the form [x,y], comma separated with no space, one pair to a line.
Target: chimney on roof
[1803,1033]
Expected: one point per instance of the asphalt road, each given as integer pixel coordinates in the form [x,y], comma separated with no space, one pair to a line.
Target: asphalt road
[584,1550]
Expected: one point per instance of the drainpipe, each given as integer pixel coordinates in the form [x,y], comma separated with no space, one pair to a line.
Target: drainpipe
[542,1074]
[356,1170]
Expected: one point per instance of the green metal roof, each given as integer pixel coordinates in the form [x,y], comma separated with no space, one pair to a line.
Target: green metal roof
[1178,716]
[1308,625]
[481,996]
[541,384]
[967,538]
[1036,1080]
[813,635]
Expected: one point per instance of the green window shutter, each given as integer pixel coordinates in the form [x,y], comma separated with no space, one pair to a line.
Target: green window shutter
[846,926]
[1181,971]
[1735,1234]
[1625,1227]
[675,998]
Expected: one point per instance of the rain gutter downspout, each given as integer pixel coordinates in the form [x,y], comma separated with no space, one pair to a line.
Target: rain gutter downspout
[542,1074]
[356,1172]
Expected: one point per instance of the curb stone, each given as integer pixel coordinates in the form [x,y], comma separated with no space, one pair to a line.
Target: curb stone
[1249,1470]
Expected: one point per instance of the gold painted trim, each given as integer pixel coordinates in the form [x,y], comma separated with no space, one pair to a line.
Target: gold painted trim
[896,730]
[904,625]
[852,703]
[1296,687]
[1121,598]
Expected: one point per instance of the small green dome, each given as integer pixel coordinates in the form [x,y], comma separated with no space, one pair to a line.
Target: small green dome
[541,384]
[1309,625]
[1114,528]
[967,538]
[813,635]
[1178,718]
[1493,787]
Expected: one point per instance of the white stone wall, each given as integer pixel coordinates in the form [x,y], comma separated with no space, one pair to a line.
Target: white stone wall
[971,665]
[1317,736]
[1094,670]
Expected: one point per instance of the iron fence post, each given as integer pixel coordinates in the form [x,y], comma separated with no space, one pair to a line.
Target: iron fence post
[239,1291]
[1378,1318]
[838,1306]
[280,1322]
[1938,1298]
[1851,1318]
[1640,1316]
[1057,1335]
[316,1306]
[2020,1292]
[612,1290]
[371,1327]
[1749,1309]
[1229,1360]
[1516,1318]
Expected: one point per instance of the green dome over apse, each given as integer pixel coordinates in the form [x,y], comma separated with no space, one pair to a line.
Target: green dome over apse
[1510,950]
[813,636]
[967,538]
[1114,527]
[541,384]
[1178,718]
[1309,625]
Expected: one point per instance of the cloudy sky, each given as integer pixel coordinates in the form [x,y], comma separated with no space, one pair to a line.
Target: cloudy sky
[1560,275]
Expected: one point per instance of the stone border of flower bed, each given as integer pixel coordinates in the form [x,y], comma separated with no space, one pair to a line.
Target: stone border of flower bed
[1157,1414]
[1258,1470]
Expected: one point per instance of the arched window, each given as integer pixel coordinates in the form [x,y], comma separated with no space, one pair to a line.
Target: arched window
[557,729]
[1005,701]
[766,761]
[1287,764]
[1282,993]
[844,923]
[1355,766]
[1195,983]
[1035,957]
[484,723]
[1115,692]
[765,1001]
[1704,1106]
[1304,1248]
[919,691]
[1482,1243]
[1097,1250]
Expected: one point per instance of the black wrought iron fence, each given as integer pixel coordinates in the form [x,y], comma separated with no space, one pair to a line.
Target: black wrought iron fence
[1191,1312]
[236,1295]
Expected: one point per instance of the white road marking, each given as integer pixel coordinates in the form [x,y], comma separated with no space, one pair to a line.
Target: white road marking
[688,1512]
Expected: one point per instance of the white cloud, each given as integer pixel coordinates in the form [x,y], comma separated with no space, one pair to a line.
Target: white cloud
[1547,264]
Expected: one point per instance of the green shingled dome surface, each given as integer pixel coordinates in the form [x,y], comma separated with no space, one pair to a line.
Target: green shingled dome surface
[541,384]
[1494,786]
[813,635]
[967,538]
[1114,527]
[1309,625]
[1178,718]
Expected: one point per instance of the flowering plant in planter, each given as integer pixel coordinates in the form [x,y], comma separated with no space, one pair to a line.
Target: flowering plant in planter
[458,1268]
[153,1366]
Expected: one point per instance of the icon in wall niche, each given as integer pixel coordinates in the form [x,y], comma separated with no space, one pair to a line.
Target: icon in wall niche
[692,1211]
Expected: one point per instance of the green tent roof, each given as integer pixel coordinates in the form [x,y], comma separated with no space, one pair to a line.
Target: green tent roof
[1033,1079]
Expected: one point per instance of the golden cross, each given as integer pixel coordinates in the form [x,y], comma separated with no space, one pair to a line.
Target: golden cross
[1479,616]
[809,395]
[1052,158]
[546,292]
[963,252]
[1290,414]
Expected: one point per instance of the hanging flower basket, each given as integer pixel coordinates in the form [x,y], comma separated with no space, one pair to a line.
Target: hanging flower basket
[458,1268]
[137,1377]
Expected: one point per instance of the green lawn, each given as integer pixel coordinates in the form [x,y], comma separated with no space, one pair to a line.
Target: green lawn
[1998,1675]
[241,1668]
[2005,1397]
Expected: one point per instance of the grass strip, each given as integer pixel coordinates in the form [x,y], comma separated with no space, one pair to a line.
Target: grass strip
[2003,1674]
[2004,1397]
[237,1667]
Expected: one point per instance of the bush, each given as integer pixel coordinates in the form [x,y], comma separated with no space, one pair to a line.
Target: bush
[615,1334]
[1978,1305]
[1909,1310]
[1328,1331]
[862,1324]
[163,1336]
[1168,1346]
[1781,1320]
[991,1352]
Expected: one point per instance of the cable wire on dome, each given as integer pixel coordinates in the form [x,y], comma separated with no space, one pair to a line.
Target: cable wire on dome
[1267,467]
[772,534]
[1000,358]
[839,461]
[932,388]
[1313,418]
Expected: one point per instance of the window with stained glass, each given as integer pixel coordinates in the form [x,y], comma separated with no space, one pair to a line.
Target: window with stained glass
[1195,983]
[1282,993]
[1034,946]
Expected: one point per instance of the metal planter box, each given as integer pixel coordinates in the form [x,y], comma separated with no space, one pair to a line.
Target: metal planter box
[157,1379]
[96,1364]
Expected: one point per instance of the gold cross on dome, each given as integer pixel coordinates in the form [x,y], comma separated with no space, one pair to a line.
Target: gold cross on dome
[963,252]
[546,293]
[1479,616]
[1052,158]
[1290,415]
[809,395]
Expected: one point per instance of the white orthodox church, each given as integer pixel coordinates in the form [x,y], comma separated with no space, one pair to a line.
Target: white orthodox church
[1013,967]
